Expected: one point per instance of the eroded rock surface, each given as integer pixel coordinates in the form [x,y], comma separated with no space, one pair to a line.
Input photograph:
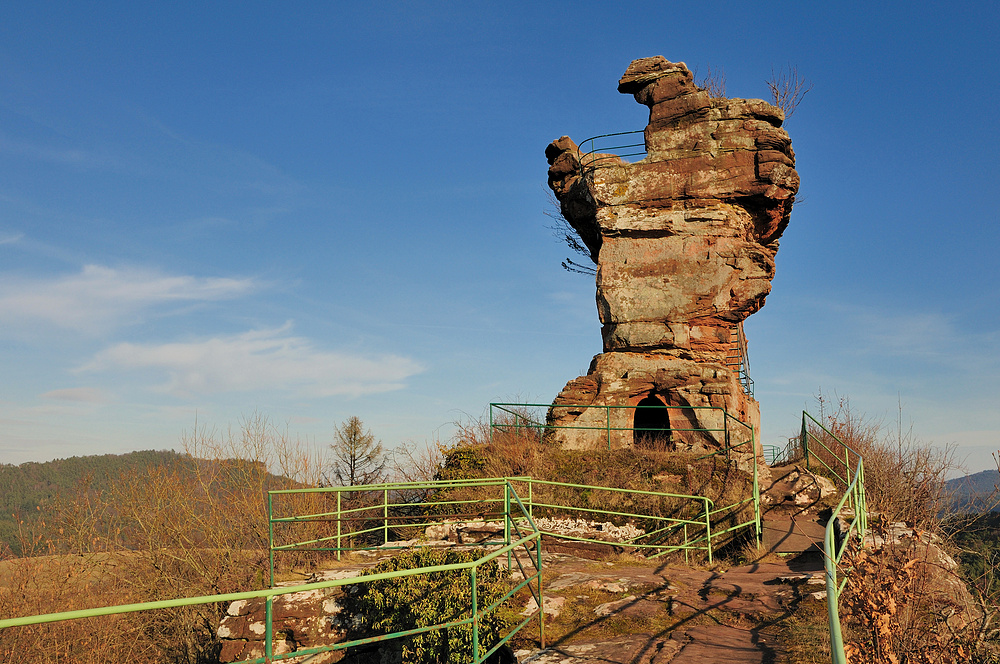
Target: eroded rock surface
[684,242]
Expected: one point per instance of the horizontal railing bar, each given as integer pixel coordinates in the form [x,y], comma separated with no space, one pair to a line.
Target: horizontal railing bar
[252,594]
[618,490]
[488,516]
[597,511]
[611,543]
[441,484]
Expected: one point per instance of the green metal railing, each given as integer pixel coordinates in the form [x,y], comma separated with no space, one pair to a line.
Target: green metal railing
[780,455]
[516,416]
[693,527]
[397,510]
[738,358]
[506,417]
[592,151]
[520,533]
[821,446]
[343,519]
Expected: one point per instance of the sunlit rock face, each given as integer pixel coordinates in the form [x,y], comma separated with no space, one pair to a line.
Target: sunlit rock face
[684,241]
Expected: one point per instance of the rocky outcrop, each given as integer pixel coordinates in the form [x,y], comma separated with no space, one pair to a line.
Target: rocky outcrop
[795,486]
[684,242]
[301,621]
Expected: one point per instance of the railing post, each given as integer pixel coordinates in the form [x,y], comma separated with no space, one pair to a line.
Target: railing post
[725,429]
[608,421]
[833,600]
[847,473]
[863,497]
[385,515]
[268,629]
[491,424]
[475,618]
[685,544]
[804,440]
[541,601]
[708,530]
[756,486]
[507,523]
[270,532]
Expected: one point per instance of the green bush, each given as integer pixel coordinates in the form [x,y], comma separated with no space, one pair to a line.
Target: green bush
[423,600]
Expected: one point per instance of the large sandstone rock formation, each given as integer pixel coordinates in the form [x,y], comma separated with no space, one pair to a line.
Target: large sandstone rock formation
[684,241]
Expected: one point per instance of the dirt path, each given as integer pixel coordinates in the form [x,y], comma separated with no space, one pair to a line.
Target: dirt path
[641,613]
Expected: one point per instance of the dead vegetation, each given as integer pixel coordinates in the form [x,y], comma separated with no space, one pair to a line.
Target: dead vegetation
[158,533]
[714,81]
[906,600]
[904,477]
[788,89]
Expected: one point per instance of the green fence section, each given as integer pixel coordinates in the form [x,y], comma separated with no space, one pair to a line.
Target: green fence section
[690,530]
[825,451]
[594,151]
[778,455]
[730,436]
[390,515]
[615,425]
[738,358]
[520,534]
[373,517]
[386,520]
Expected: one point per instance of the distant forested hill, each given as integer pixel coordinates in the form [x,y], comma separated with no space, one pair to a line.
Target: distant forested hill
[974,491]
[26,488]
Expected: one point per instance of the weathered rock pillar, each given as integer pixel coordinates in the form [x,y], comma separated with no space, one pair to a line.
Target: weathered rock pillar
[684,241]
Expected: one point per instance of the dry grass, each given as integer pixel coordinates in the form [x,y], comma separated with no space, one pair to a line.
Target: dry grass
[904,603]
[157,534]
[805,635]
[524,452]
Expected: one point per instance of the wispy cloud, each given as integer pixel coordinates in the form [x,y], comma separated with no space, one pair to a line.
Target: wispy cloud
[77,395]
[259,359]
[63,156]
[100,297]
[10,238]
[916,334]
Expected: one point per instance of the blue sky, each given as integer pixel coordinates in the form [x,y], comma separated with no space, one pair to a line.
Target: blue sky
[319,210]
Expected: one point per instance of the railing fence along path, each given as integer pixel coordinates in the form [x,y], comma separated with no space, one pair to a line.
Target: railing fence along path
[364,518]
[735,436]
[825,452]
[519,533]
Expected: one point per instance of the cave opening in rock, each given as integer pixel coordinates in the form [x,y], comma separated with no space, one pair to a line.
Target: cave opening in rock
[651,424]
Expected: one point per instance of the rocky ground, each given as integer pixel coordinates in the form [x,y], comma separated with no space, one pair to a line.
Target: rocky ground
[641,612]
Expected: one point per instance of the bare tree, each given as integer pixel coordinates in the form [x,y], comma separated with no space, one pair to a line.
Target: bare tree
[714,82]
[787,89]
[357,457]
[563,230]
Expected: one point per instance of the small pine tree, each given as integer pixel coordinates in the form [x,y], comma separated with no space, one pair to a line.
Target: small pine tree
[357,457]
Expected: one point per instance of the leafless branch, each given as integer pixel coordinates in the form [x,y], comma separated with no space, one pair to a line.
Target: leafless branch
[714,82]
[787,89]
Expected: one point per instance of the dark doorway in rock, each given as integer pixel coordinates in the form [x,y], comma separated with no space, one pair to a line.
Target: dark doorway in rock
[651,424]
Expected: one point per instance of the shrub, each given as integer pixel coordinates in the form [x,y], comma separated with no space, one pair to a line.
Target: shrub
[905,478]
[395,605]
[905,603]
